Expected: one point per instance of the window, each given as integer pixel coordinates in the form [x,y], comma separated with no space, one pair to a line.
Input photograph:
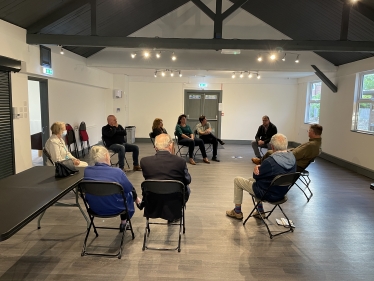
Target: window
[363,112]
[313,102]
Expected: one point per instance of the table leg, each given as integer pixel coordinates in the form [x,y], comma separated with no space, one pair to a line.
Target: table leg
[40,218]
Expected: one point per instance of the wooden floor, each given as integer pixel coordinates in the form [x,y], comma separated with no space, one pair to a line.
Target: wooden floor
[333,239]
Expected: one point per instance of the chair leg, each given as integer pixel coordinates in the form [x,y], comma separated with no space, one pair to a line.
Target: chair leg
[307,187]
[146,233]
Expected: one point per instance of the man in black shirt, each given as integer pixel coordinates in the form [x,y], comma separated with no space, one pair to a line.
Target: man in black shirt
[263,136]
[114,138]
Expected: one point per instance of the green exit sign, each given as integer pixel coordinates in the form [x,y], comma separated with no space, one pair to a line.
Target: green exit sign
[203,85]
[48,71]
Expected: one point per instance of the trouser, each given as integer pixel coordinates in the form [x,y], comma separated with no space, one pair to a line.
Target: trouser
[256,147]
[211,139]
[241,184]
[121,149]
[191,146]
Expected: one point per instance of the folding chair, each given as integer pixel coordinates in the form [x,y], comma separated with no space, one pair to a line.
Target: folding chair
[305,179]
[181,146]
[286,181]
[100,188]
[71,140]
[83,136]
[163,199]
[152,138]
[46,154]
[113,153]
[208,145]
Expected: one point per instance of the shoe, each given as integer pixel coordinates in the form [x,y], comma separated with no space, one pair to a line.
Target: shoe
[137,168]
[256,160]
[222,143]
[125,170]
[174,221]
[235,215]
[192,162]
[256,214]
[205,160]
[122,227]
[215,159]
[140,205]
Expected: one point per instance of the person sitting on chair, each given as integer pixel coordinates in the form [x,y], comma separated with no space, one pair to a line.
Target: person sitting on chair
[186,138]
[165,165]
[114,138]
[103,171]
[263,136]
[280,162]
[56,147]
[205,133]
[158,127]
[305,152]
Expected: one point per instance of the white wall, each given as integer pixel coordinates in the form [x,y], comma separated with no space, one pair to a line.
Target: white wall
[336,116]
[244,105]
[76,92]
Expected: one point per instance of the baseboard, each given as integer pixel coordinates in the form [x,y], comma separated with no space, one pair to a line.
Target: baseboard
[348,165]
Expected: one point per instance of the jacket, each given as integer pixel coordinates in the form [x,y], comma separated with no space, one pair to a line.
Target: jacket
[113,135]
[276,164]
[266,137]
[306,152]
[57,149]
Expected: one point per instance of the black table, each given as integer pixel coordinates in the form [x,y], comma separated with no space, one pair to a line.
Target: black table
[26,195]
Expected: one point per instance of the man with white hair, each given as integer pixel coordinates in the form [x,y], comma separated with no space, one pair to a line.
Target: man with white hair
[103,171]
[280,162]
[164,165]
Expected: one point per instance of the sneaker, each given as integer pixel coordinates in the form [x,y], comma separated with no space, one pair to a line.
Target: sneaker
[215,159]
[256,160]
[137,168]
[235,215]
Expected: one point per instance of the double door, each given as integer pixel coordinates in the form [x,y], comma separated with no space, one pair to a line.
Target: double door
[201,102]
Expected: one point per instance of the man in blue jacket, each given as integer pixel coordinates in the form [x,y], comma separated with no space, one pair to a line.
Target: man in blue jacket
[280,162]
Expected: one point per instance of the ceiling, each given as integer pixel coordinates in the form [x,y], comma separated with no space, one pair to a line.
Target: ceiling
[255,19]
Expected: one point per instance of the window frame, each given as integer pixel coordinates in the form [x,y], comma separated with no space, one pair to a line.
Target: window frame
[357,100]
[309,102]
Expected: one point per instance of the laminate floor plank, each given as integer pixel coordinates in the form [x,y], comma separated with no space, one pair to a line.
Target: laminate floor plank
[332,239]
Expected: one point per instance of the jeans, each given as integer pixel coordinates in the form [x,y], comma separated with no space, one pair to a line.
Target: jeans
[191,146]
[211,139]
[121,149]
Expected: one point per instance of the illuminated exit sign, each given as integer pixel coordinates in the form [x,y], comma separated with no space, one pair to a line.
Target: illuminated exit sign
[47,71]
[203,85]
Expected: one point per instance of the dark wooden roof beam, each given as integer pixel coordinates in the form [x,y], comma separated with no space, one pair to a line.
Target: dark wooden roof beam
[345,20]
[325,80]
[201,44]
[52,17]
[204,8]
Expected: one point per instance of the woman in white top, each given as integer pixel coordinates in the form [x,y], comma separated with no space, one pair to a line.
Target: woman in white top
[56,147]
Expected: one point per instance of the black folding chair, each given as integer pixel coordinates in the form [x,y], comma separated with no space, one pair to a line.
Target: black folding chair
[113,153]
[305,179]
[152,138]
[208,145]
[181,146]
[46,154]
[286,180]
[163,199]
[100,188]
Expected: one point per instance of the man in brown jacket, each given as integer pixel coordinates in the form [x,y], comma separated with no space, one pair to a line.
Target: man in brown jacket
[305,152]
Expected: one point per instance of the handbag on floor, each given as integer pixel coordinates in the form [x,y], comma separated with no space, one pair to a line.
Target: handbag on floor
[65,168]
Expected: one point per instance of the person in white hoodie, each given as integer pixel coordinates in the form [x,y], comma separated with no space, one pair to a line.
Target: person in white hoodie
[280,162]
[56,147]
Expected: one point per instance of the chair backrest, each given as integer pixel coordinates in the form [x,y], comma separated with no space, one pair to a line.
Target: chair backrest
[163,199]
[82,126]
[70,135]
[163,186]
[83,132]
[100,188]
[285,180]
[152,137]
[46,153]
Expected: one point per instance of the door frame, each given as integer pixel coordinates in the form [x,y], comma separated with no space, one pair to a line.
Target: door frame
[195,91]
[44,108]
